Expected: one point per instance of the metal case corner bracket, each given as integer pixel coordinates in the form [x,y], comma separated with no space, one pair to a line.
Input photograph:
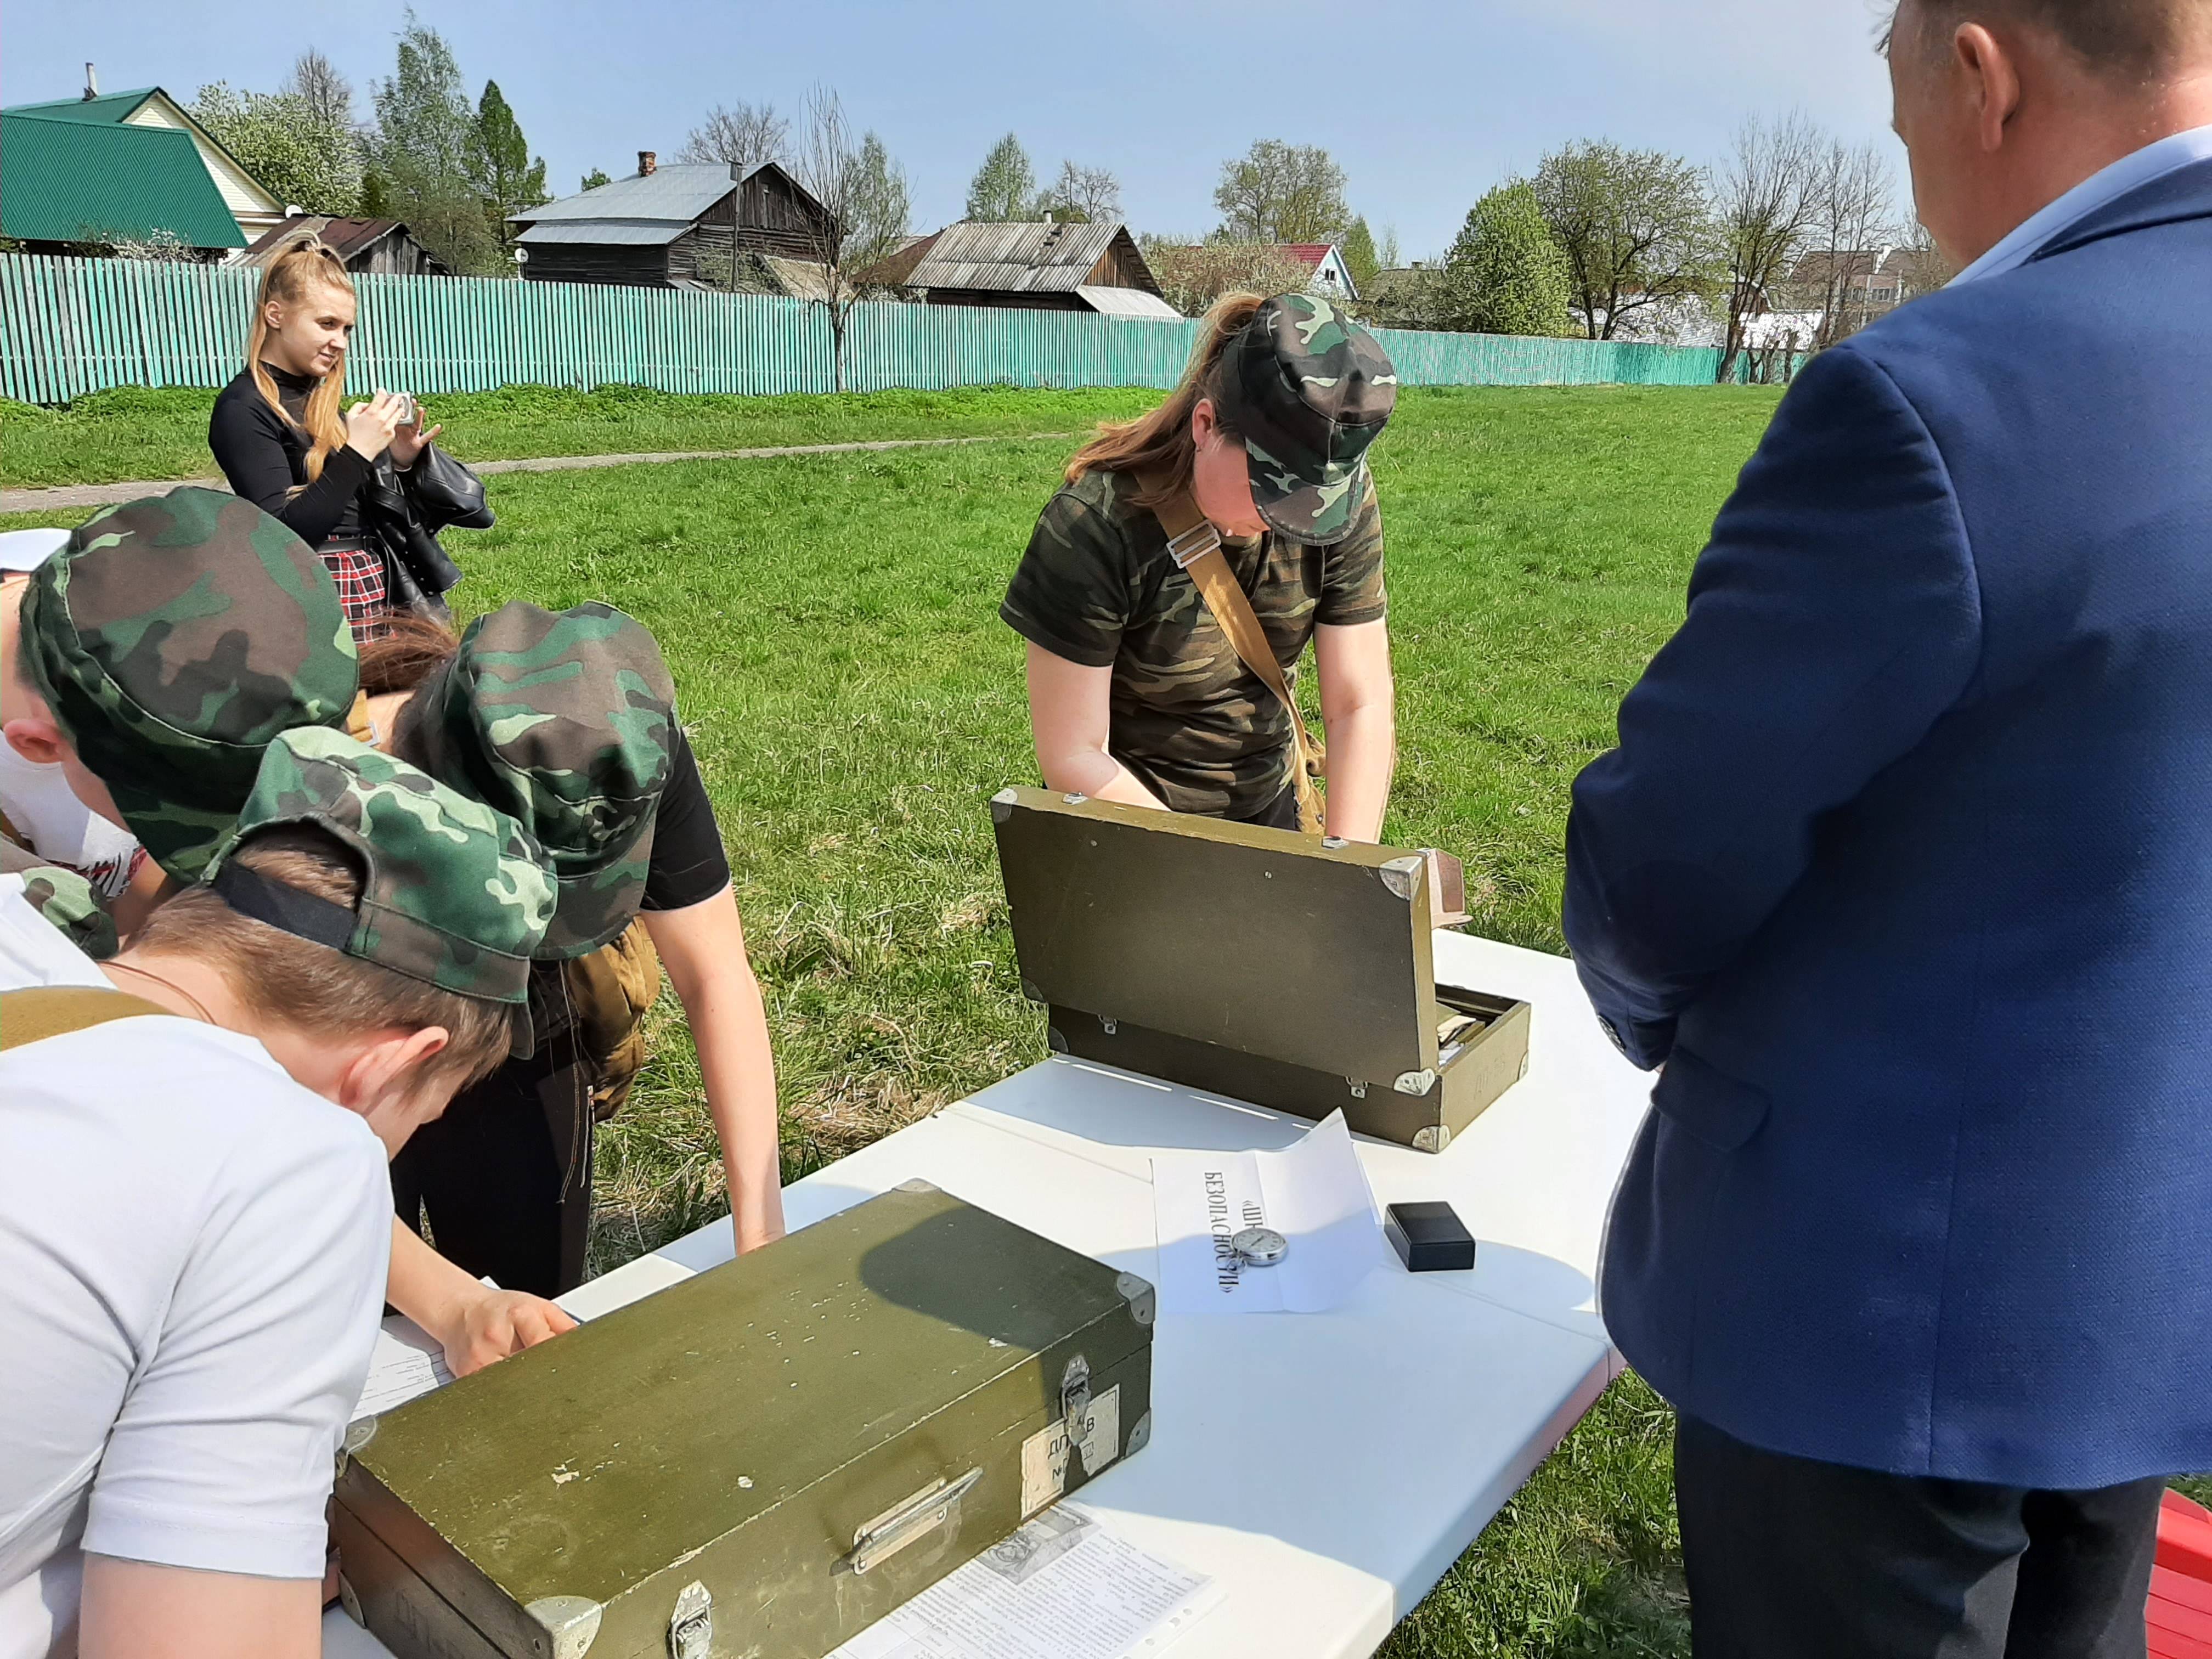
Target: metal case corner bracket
[1140,1435]
[1431,1137]
[573,1622]
[1415,1083]
[1143,1302]
[918,1185]
[1403,876]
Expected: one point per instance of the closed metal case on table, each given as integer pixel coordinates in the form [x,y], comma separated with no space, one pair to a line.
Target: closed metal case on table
[761,1461]
[1259,964]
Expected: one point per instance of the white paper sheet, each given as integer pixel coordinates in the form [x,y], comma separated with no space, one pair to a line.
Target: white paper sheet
[1065,1587]
[408,1361]
[1314,1193]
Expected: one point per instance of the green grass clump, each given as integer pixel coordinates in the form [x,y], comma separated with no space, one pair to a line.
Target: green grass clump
[134,433]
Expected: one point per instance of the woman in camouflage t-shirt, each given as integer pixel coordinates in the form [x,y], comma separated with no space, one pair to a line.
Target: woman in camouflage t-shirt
[1136,694]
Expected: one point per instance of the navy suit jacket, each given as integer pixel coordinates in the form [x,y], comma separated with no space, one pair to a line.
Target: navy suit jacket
[1903,868]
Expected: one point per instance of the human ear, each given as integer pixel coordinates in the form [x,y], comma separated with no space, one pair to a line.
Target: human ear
[37,739]
[1992,83]
[382,1080]
[1204,423]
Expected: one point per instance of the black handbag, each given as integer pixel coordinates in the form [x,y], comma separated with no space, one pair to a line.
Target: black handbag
[404,511]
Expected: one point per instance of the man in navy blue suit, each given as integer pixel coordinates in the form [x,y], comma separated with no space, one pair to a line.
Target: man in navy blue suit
[1902,878]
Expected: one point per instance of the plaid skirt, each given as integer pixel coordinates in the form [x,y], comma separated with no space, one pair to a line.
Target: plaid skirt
[359,572]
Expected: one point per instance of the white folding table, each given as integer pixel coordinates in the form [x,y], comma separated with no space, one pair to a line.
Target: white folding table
[1325,1469]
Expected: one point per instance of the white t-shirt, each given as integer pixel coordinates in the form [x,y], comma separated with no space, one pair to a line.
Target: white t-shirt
[192,1260]
[36,801]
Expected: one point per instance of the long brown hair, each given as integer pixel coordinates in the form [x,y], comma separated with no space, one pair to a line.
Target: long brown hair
[305,263]
[1160,443]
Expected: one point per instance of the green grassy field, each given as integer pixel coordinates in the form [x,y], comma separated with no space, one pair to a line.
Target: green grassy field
[135,432]
[854,701]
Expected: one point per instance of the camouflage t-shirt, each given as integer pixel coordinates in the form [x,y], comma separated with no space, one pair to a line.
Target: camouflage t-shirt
[1097,586]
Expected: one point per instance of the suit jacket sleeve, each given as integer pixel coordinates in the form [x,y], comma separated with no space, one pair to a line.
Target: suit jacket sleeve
[1834,619]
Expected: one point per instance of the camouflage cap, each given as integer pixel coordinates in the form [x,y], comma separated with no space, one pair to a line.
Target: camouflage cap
[1309,389]
[455,893]
[174,637]
[67,901]
[567,720]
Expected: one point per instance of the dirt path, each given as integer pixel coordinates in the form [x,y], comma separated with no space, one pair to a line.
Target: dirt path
[72,495]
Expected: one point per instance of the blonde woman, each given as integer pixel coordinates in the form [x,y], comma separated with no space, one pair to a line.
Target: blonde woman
[279,436]
[1136,693]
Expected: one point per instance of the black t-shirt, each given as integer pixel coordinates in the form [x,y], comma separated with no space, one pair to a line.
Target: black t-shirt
[265,457]
[687,865]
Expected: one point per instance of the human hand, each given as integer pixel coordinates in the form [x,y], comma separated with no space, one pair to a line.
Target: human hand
[370,426]
[408,440]
[489,1325]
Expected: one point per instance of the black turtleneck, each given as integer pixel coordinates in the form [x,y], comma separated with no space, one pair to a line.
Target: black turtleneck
[265,456]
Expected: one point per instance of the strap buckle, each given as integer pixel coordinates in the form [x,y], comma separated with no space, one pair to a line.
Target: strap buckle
[1194,543]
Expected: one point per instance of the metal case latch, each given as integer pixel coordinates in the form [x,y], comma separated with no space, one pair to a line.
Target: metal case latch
[691,1626]
[907,1521]
[1075,1396]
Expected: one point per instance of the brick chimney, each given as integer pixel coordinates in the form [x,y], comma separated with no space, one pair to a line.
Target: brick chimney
[646,162]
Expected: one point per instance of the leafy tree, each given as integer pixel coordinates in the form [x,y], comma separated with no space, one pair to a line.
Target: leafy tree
[1506,273]
[1279,192]
[1194,274]
[878,205]
[1769,200]
[425,147]
[1635,226]
[375,196]
[742,136]
[1387,257]
[298,156]
[506,175]
[1358,250]
[595,177]
[1083,196]
[1005,187]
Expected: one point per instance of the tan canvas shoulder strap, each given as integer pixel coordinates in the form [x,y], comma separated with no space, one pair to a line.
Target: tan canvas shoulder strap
[39,1012]
[1196,546]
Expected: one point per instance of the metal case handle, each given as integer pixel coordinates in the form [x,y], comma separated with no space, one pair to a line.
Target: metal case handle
[909,1521]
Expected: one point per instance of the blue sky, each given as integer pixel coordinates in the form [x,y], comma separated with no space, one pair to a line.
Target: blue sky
[1425,103]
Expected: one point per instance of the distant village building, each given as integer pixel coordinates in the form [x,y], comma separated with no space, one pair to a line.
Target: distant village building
[1328,274]
[1096,268]
[78,173]
[704,226]
[382,246]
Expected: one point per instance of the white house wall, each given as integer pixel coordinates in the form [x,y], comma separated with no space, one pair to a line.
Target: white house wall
[254,208]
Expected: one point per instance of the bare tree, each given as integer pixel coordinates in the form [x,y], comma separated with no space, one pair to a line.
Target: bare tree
[316,80]
[1636,228]
[1768,199]
[1088,196]
[1852,208]
[865,205]
[744,137]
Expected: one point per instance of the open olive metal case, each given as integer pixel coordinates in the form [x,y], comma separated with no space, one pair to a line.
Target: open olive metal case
[1257,963]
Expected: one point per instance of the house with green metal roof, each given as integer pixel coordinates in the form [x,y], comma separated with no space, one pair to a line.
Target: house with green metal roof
[123,165]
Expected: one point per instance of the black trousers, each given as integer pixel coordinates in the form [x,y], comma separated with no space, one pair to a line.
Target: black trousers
[504,1178]
[1790,1558]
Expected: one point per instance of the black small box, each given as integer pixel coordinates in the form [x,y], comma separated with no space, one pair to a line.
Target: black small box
[1429,1238]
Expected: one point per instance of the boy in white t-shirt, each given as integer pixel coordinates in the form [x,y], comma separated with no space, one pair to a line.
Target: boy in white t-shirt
[194,1213]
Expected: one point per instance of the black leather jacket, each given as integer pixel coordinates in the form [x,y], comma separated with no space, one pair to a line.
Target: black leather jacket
[402,514]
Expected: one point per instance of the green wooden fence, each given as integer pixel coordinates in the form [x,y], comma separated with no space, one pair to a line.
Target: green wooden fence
[72,326]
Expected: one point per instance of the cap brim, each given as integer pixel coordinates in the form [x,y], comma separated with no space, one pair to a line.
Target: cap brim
[591,907]
[1317,512]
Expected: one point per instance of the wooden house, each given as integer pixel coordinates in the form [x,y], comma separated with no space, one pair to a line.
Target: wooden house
[382,246]
[1037,267]
[681,226]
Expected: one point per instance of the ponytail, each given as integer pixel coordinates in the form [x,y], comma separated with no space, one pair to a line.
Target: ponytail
[304,264]
[1160,443]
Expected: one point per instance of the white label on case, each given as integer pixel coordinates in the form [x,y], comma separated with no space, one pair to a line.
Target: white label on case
[1044,1454]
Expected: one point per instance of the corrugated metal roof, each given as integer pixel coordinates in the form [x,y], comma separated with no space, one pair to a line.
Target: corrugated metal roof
[608,232]
[1129,302]
[678,193]
[74,180]
[109,109]
[1013,258]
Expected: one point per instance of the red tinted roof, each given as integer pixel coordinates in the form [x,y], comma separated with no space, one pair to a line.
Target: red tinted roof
[1308,254]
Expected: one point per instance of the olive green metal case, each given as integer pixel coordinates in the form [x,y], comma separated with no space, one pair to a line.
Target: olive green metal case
[1258,964]
[761,1461]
